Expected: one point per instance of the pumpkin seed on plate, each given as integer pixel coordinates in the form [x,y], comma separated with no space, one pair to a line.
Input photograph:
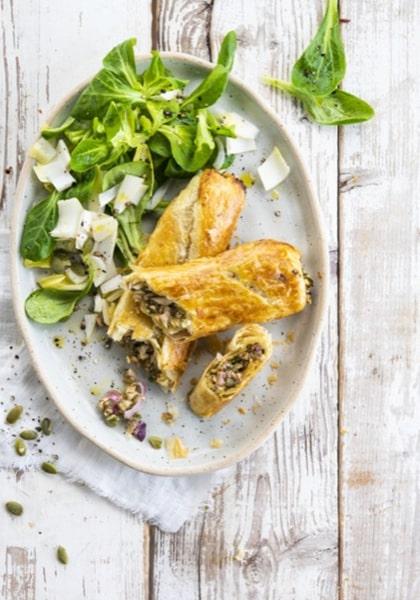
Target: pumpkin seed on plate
[62,555]
[28,434]
[14,414]
[49,468]
[20,447]
[14,508]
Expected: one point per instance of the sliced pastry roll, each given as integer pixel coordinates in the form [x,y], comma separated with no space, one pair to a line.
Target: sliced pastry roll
[199,222]
[228,374]
[254,282]
[163,358]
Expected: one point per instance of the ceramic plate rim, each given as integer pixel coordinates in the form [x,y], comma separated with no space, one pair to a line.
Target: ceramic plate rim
[321,308]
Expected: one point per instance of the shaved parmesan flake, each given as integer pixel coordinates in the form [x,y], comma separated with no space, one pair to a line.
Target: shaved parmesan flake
[274,170]
[131,191]
[100,270]
[159,195]
[240,145]
[103,226]
[56,171]
[69,215]
[84,228]
[243,128]
[98,303]
[42,151]
[90,323]
[170,95]
[108,196]
[115,283]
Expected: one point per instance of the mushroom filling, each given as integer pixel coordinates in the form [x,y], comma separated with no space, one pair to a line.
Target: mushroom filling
[143,353]
[164,312]
[229,374]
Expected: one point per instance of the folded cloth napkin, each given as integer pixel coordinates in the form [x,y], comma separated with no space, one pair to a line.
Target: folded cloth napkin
[164,501]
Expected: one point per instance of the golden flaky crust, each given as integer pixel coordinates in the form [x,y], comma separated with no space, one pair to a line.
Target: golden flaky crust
[255,282]
[198,222]
[205,399]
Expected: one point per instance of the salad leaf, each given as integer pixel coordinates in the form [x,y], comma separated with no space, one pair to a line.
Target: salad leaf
[86,188]
[117,81]
[120,126]
[339,108]
[191,145]
[322,66]
[57,300]
[48,307]
[317,75]
[213,86]
[88,153]
[52,132]
[157,78]
[227,50]
[117,173]
[36,243]
[121,61]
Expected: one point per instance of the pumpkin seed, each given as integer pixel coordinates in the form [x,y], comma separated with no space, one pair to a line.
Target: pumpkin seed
[20,447]
[155,441]
[14,508]
[112,420]
[49,468]
[46,426]
[14,414]
[62,555]
[28,434]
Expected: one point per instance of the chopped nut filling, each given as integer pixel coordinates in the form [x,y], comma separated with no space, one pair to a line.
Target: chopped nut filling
[229,374]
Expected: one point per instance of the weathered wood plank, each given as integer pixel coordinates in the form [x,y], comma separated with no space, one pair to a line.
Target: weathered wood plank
[47,48]
[271,531]
[104,544]
[380,415]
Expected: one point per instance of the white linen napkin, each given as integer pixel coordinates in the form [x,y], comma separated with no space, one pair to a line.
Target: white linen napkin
[164,501]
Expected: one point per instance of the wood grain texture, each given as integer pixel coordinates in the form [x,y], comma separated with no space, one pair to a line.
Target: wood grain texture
[48,48]
[272,530]
[380,416]
[99,540]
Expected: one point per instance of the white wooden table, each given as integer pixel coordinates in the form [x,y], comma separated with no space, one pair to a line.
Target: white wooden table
[328,508]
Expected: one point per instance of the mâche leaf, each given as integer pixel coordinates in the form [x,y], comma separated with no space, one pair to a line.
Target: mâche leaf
[322,66]
[213,86]
[117,81]
[318,73]
[88,153]
[339,108]
[36,243]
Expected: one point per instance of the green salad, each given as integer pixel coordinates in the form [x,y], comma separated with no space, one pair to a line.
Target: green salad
[108,164]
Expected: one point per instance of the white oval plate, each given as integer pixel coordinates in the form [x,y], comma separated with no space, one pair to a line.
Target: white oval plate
[76,385]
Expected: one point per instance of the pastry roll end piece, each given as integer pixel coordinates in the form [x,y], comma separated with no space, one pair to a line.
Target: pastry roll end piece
[163,359]
[226,375]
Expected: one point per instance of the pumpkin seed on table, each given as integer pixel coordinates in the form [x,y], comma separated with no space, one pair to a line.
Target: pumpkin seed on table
[46,426]
[28,434]
[14,508]
[49,468]
[20,447]
[62,555]
[14,414]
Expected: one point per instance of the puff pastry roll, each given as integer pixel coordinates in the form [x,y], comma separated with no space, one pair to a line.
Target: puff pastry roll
[253,283]
[199,222]
[227,374]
